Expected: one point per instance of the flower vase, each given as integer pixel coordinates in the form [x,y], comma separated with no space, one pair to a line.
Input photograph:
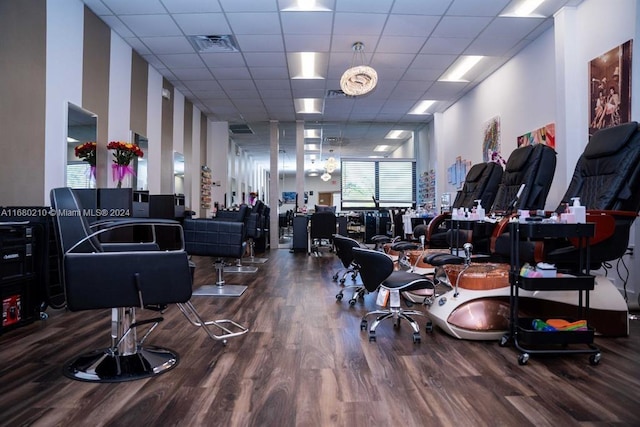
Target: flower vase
[122,175]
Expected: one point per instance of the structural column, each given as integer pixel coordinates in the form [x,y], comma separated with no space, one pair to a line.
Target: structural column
[274,184]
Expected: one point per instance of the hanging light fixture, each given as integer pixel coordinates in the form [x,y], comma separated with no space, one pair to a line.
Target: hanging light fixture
[325,177]
[359,79]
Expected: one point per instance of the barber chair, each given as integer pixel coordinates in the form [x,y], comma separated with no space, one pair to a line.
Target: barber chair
[243,215]
[218,239]
[121,277]
[377,271]
[481,183]
[322,227]
[255,230]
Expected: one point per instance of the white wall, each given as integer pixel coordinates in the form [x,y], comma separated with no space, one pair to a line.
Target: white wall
[63,84]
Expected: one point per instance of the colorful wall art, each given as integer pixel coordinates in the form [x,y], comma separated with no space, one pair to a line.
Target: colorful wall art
[545,135]
[491,139]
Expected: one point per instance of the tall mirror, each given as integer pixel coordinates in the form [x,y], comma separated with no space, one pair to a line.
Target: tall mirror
[82,128]
[139,180]
[178,173]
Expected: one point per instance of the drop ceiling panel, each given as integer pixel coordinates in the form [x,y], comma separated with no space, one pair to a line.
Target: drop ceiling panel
[128,7]
[378,6]
[193,74]
[254,23]
[477,8]
[397,44]
[222,59]
[421,7]
[446,45]
[265,59]
[202,23]
[307,43]
[249,5]
[231,73]
[151,25]
[359,24]
[260,43]
[412,25]
[191,6]
[165,45]
[318,23]
[182,60]
[270,73]
[460,26]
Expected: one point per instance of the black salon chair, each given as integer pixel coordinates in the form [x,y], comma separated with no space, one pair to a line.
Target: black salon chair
[121,277]
[377,271]
[255,231]
[220,240]
[322,227]
[241,214]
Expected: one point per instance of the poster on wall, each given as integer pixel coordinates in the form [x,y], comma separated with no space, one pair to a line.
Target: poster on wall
[491,139]
[545,135]
[610,88]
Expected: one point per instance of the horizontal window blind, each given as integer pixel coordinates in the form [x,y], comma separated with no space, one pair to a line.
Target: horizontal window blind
[390,181]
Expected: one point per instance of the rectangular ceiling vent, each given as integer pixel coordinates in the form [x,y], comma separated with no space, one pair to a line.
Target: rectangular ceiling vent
[336,93]
[215,43]
[240,129]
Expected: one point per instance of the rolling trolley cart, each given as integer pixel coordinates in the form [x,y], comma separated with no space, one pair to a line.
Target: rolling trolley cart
[530,340]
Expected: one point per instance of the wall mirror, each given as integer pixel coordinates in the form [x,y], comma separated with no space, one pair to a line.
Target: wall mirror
[178,173]
[82,128]
[139,180]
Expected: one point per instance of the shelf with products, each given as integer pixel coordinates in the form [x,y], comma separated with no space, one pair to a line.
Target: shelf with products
[427,188]
[205,187]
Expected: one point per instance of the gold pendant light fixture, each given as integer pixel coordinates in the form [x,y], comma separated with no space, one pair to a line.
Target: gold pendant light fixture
[359,79]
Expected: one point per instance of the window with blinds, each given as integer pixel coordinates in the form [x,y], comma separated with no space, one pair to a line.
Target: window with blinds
[391,182]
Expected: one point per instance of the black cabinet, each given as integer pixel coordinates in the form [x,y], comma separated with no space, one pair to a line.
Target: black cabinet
[19,293]
[528,338]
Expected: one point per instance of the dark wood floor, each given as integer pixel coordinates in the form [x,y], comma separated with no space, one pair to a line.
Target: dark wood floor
[305,362]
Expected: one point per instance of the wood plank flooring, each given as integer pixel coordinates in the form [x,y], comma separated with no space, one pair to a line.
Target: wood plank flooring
[305,362]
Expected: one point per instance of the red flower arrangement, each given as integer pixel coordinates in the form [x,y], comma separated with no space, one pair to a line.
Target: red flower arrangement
[124,153]
[87,152]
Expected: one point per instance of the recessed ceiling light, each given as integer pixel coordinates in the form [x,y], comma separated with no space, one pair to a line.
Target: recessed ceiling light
[308,105]
[305,65]
[422,107]
[523,9]
[394,134]
[305,6]
[456,72]
[382,148]
[312,133]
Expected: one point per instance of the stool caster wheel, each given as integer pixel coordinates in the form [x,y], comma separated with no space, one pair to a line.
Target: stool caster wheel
[363,325]
[339,297]
[594,359]
[429,327]
[523,359]
[372,336]
[352,302]
[416,338]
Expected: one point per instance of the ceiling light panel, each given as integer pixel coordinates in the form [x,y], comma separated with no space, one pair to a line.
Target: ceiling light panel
[460,68]
[308,105]
[422,107]
[307,65]
[305,5]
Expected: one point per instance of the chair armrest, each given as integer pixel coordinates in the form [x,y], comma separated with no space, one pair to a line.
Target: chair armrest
[605,224]
[114,224]
[435,223]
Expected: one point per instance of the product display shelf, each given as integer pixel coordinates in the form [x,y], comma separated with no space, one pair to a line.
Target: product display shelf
[529,340]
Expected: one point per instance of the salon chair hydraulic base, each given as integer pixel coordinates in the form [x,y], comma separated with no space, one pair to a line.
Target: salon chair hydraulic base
[239,268]
[107,366]
[220,290]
